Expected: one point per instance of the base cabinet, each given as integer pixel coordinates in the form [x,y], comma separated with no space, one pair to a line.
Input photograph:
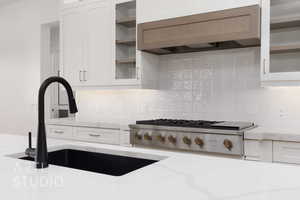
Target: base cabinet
[258,150]
[63,132]
[125,138]
[97,135]
[286,152]
[86,134]
[272,151]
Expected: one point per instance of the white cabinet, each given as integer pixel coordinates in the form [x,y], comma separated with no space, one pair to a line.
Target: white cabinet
[272,151]
[125,69]
[125,138]
[64,132]
[99,36]
[280,43]
[258,150]
[286,152]
[97,135]
[154,10]
[88,134]
[87,30]
[132,68]
[98,46]
[72,46]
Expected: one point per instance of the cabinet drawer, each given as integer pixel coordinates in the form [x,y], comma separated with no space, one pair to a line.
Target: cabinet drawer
[286,152]
[106,136]
[258,150]
[65,132]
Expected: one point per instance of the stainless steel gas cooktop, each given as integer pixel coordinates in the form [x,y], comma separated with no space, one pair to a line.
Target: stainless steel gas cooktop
[223,137]
[198,124]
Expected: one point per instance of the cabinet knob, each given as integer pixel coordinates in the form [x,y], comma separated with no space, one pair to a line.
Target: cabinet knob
[228,144]
[187,141]
[148,137]
[138,136]
[172,139]
[199,142]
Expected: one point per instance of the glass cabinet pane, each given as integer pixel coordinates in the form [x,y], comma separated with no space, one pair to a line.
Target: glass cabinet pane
[285,36]
[126,41]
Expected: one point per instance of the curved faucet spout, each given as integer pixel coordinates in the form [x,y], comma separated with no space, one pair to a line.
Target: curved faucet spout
[41,147]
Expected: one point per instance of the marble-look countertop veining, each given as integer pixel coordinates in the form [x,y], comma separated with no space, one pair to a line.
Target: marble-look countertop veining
[277,134]
[180,176]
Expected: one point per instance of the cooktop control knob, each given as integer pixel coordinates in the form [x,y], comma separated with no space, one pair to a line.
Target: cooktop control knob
[228,144]
[161,138]
[199,142]
[187,141]
[148,137]
[172,139]
[138,136]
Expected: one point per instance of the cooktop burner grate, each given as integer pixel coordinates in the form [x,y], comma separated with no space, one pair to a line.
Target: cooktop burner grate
[197,124]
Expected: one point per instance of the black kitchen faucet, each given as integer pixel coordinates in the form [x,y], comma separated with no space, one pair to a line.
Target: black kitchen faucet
[41,158]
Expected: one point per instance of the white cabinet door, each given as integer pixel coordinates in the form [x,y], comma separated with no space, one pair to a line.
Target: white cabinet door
[258,150]
[265,39]
[72,46]
[280,42]
[286,152]
[157,9]
[98,54]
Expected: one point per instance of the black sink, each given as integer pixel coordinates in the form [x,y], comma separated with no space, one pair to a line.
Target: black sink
[95,162]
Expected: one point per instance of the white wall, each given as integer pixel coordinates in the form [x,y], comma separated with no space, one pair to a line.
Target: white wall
[221,85]
[20,62]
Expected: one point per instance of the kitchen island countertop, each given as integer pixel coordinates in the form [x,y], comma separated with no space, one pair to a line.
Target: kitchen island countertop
[180,176]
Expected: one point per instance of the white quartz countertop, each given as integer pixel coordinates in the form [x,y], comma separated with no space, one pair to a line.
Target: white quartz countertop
[278,134]
[180,176]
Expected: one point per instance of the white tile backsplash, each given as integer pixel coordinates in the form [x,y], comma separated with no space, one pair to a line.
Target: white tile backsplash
[221,85]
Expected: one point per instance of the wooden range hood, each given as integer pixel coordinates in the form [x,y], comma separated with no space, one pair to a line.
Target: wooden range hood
[226,29]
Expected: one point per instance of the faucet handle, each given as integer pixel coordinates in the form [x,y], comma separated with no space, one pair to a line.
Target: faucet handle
[30,152]
[29,140]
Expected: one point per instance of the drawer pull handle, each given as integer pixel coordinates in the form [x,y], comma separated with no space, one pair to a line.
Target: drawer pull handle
[94,135]
[58,132]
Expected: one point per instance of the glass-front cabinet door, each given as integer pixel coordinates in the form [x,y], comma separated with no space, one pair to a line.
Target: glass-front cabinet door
[281,50]
[126,70]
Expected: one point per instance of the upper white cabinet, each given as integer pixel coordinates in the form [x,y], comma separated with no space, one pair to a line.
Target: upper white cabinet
[98,55]
[99,46]
[154,10]
[126,69]
[72,46]
[132,69]
[281,43]
[87,33]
